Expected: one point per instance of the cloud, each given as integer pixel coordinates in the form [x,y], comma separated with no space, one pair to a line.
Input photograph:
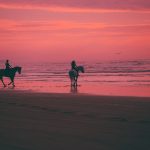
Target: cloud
[48,26]
[78,5]
[70,26]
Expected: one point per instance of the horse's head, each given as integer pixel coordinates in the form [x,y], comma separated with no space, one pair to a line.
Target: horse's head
[18,69]
[81,69]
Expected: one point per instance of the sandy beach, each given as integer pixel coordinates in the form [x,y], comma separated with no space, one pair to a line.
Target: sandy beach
[36,121]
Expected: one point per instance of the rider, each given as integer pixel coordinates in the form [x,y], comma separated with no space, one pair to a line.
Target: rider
[74,67]
[8,66]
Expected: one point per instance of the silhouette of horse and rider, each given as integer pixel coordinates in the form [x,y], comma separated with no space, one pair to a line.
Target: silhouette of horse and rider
[74,73]
[9,72]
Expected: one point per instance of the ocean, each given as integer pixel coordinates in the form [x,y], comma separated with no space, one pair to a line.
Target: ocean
[122,78]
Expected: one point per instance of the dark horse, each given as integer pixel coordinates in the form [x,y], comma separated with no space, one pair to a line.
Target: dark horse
[10,74]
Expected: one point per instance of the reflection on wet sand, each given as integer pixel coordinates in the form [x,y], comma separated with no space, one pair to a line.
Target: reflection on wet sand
[74,89]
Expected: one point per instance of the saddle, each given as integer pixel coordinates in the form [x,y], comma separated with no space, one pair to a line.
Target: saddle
[7,71]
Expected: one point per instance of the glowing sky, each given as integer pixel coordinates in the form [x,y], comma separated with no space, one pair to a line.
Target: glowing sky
[54,30]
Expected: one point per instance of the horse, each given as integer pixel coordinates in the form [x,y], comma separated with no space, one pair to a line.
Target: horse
[74,75]
[10,74]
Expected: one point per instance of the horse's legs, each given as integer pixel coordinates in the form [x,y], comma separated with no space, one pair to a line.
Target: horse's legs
[71,80]
[12,81]
[76,79]
[3,82]
[13,84]
[74,82]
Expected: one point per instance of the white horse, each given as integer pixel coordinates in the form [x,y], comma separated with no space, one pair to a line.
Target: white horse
[74,75]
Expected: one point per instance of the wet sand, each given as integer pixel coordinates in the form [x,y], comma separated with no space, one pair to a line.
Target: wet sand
[36,121]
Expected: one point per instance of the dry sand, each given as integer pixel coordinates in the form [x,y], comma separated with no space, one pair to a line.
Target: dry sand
[33,121]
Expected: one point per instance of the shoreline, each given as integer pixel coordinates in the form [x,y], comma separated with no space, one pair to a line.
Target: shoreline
[33,92]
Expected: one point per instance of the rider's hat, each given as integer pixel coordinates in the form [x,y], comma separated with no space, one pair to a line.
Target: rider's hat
[73,61]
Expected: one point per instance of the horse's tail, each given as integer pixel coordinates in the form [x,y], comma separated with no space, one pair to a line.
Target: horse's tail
[1,73]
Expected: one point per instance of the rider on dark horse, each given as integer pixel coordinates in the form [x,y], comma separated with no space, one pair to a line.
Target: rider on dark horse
[74,67]
[8,66]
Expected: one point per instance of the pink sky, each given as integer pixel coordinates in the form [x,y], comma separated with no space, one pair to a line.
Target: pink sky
[74,29]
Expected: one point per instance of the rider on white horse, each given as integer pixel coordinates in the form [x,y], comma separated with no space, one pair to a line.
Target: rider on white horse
[74,67]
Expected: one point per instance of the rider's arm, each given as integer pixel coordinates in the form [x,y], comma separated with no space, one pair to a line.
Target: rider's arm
[9,65]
